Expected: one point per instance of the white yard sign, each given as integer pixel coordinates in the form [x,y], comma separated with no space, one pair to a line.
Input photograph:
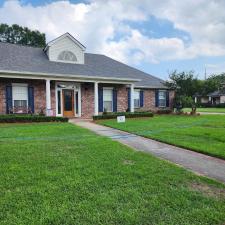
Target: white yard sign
[121,119]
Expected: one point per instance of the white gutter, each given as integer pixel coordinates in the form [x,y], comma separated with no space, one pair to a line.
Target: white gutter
[64,76]
[150,87]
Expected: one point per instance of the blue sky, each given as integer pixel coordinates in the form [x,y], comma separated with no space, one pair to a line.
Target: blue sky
[154,36]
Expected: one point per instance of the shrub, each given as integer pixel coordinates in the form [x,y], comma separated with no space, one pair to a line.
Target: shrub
[164,111]
[126,114]
[30,118]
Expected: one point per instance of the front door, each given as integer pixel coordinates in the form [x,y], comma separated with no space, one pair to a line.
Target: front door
[68,103]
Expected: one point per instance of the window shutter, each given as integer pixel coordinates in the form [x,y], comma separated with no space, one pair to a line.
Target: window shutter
[31,98]
[8,95]
[141,98]
[114,100]
[76,102]
[156,98]
[100,99]
[128,99]
[167,99]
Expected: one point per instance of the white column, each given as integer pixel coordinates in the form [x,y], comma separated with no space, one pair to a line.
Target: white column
[195,99]
[48,98]
[96,98]
[132,97]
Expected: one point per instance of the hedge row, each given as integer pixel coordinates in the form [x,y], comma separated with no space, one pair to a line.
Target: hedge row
[209,105]
[30,118]
[126,114]
[164,111]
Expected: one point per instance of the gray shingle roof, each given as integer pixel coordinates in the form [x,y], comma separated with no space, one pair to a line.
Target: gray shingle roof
[29,59]
[217,93]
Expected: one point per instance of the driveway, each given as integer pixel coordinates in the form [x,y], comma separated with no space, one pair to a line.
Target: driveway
[196,162]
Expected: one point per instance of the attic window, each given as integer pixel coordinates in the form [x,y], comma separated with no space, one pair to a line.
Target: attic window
[67,56]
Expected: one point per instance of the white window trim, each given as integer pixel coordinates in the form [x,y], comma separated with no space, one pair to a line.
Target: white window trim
[19,85]
[138,90]
[165,98]
[107,88]
[76,90]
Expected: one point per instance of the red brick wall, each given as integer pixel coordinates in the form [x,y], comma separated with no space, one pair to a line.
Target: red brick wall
[87,100]
[2,97]
[122,98]
[149,100]
[39,93]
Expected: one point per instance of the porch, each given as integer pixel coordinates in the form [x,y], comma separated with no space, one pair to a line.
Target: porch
[63,97]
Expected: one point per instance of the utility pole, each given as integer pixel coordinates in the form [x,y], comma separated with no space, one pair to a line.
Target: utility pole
[205,74]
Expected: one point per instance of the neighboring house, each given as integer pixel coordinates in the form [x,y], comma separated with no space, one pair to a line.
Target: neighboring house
[63,80]
[214,98]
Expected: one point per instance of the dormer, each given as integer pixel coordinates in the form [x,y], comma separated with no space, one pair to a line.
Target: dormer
[65,49]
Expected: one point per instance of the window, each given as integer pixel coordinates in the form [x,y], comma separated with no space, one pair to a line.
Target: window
[136,98]
[162,98]
[20,95]
[108,100]
[67,56]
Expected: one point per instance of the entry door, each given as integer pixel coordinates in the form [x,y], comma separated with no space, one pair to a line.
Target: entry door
[68,103]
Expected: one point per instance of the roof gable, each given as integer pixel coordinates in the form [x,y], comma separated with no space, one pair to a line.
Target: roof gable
[65,49]
[68,35]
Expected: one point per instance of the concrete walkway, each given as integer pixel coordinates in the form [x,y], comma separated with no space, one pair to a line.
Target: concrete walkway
[211,113]
[196,162]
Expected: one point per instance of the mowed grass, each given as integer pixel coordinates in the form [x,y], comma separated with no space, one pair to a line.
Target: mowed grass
[205,133]
[62,174]
[209,110]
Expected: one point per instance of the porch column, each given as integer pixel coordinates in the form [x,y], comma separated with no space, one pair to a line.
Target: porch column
[132,97]
[96,98]
[48,98]
[195,99]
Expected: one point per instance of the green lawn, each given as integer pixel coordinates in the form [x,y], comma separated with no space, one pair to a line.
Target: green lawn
[205,133]
[61,174]
[212,110]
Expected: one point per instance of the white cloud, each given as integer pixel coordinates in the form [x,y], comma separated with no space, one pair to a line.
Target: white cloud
[216,68]
[97,23]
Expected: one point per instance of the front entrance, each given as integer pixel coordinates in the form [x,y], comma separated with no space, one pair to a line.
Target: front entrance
[68,103]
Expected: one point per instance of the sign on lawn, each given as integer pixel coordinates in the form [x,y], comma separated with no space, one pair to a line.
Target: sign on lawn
[121,119]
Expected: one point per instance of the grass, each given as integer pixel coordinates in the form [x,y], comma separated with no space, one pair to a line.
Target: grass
[205,133]
[210,110]
[62,174]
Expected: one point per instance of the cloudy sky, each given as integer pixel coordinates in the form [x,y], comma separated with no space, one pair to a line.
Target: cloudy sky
[152,35]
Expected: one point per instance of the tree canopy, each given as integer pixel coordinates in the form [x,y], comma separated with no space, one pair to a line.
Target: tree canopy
[21,35]
[187,85]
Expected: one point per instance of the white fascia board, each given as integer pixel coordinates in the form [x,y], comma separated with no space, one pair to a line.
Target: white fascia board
[30,75]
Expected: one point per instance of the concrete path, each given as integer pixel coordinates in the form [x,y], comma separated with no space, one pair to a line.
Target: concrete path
[196,162]
[211,113]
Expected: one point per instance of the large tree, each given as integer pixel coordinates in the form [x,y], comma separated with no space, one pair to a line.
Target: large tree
[185,83]
[21,35]
[213,83]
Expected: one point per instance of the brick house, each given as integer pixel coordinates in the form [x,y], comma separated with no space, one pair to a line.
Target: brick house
[63,80]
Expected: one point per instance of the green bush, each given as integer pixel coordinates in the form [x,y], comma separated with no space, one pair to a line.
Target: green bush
[164,111]
[30,118]
[126,114]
